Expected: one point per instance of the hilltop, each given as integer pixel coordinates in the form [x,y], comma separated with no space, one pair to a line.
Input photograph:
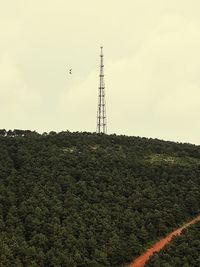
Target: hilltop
[88,200]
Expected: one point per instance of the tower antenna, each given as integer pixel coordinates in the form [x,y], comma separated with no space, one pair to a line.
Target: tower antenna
[101,110]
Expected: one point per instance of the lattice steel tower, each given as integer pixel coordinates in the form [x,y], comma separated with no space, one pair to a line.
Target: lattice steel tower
[101,110]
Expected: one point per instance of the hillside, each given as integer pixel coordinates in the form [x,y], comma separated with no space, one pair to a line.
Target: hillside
[184,251]
[86,200]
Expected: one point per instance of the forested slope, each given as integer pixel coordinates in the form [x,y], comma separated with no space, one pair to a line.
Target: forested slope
[184,251]
[86,200]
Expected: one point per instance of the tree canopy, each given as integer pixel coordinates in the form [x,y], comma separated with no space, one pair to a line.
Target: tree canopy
[88,200]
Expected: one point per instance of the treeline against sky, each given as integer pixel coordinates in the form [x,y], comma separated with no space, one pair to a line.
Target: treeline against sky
[88,200]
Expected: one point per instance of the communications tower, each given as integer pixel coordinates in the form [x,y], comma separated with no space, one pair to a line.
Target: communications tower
[101,110]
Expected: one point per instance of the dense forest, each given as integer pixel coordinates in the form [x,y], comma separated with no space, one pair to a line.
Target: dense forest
[184,251]
[88,200]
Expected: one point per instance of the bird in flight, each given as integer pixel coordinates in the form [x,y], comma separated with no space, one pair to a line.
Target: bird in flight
[70,71]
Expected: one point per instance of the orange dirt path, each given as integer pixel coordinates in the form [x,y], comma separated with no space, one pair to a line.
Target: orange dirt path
[141,260]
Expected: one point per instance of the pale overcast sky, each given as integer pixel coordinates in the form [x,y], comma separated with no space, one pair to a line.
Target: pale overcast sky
[152,66]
